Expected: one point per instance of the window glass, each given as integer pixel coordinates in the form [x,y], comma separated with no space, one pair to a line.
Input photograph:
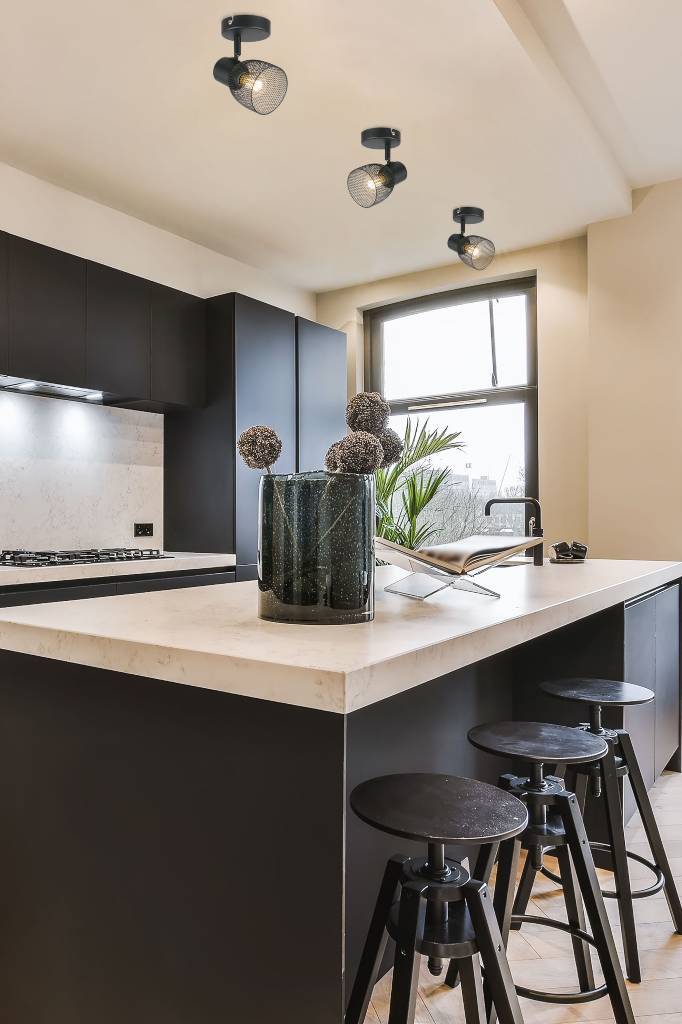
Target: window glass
[509,316]
[491,464]
[437,352]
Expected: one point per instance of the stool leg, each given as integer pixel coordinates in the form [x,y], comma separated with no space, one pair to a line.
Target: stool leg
[651,827]
[581,853]
[523,893]
[497,974]
[576,918]
[406,965]
[375,943]
[616,831]
[507,866]
[485,862]
[472,990]
[578,783]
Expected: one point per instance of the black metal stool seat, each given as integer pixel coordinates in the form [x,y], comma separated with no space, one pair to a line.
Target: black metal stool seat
[621,762]
[605,692]
[438,808]
[537,742]
[555,823]
[431,906]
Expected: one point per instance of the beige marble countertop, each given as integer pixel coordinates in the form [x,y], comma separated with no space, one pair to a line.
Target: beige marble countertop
[211,636]
[181,561]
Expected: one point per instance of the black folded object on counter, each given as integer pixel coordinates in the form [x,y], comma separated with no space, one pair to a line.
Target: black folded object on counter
[576,551]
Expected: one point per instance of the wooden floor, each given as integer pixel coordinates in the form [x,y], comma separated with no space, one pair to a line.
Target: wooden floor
[541,957]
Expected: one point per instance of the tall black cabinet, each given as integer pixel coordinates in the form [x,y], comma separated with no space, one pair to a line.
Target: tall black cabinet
[264,365]
[321,375]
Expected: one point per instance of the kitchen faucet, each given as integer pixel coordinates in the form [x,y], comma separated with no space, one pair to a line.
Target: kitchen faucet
[535,522]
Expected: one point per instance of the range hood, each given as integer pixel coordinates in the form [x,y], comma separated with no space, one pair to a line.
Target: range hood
[37,387]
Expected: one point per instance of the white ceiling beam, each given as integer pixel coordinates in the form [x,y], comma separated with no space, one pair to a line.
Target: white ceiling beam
[550,40]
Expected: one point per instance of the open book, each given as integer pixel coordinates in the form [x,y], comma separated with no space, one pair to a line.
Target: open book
[459,558]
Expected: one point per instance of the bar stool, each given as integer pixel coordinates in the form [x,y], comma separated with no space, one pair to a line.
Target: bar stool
[555,822]
[586,781]
[431,905]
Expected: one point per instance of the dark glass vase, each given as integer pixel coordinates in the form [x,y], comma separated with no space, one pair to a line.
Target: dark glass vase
[316,548]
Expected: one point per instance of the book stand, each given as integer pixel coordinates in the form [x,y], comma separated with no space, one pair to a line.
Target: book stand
[427,581]
[426,576]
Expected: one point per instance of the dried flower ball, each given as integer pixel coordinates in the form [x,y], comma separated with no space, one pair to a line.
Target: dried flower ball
[331,459]
[369,412]
[393,446]
[359,452]
[260,447]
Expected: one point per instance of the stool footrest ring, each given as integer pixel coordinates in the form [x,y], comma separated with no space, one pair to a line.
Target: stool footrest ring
[568,998]
[612,894]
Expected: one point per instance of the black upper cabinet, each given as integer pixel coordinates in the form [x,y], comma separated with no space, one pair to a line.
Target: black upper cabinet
[118,332]
[4,312]
[321,361]
[178,349]
[46,313]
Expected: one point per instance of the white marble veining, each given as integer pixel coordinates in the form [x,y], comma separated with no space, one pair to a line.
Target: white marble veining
[74,475]
[211,636]
[180,561]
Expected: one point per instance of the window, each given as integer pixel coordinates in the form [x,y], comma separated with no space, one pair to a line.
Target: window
[467,361]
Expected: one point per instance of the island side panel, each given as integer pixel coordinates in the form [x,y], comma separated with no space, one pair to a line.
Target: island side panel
[168,853]
[421,730]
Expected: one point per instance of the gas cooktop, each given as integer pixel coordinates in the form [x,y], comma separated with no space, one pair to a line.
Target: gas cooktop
[90,556]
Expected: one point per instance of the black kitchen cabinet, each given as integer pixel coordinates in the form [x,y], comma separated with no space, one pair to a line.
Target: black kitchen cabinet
[46,313]
[69,590]
[652,659]
[667,677]
[177,582]
[265,377]
[4,309]
[210,496]
[66,320]
[35,594]
[321,369]
[640,668]
[118,332]
[178,348]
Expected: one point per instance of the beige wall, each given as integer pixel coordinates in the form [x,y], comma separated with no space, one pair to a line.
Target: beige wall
[44,213]
[635,319]
[561,271]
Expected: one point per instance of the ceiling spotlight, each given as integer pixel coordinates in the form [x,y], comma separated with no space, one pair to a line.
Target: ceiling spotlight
[255,84]
[372,183]
[474,250]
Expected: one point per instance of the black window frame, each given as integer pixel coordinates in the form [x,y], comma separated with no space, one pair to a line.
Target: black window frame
[526,394]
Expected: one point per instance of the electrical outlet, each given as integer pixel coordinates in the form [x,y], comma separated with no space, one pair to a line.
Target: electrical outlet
[143,530]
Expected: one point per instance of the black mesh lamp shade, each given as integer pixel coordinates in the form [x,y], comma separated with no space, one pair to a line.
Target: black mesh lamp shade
[255,84]
[258,86]
[475,251]
[370,184]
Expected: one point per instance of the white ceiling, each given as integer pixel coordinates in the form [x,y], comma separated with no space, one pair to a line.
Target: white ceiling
[545,112]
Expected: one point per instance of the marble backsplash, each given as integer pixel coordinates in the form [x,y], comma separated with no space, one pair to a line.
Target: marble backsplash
[74,475]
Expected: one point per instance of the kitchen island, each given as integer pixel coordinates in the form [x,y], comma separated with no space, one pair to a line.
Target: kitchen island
[175,775]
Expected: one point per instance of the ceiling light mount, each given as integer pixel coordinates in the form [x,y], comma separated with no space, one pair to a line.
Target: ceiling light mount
[245,28]
[370,184]
[467,215]
[255,84]
[475,251]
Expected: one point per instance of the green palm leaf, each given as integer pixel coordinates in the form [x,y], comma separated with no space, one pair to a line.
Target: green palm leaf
[417,487]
